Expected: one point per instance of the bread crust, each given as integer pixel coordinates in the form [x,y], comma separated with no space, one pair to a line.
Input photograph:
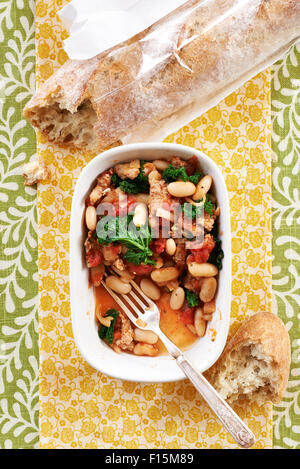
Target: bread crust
[268,330]
[195,61]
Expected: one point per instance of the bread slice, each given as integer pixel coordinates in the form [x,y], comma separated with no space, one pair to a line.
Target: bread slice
[191,55]
[255,363]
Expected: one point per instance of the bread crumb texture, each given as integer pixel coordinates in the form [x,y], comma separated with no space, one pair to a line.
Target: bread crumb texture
[247,373]
[35,171]
[91,104]
[255,363]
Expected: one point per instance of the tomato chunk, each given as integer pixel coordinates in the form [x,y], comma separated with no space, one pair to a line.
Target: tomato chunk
[121,208]
[131,200]
[115,249]
[142,269]
[187,314]
[191,165]
[159,245]
[87,202]
[202,254]
[117,334]
[96,275]
[93,257]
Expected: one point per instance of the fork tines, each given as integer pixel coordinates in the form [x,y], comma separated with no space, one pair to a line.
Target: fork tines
[127,301]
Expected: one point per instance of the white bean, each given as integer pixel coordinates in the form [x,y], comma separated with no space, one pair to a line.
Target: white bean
[170,247]
[145,349]
[203,187]
[202,270]
[140,215]
[191,328]
[105,321]
[199,323]
[191,201]
[150,289]
[91,218]
[117,285]
[161,165]
[208,289]
[148,337]
[177,298]
[165,274]
[181,188]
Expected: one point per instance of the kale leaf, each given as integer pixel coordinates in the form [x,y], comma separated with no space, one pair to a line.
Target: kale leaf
[138,257]
[217,255]
[172,174]
[191,211]
[107,333]
[208,206]
[191,298]
[194,178]
[195,211]
[123,231]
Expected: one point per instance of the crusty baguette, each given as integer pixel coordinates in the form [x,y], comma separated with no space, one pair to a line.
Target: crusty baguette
[186,56]
[255,363]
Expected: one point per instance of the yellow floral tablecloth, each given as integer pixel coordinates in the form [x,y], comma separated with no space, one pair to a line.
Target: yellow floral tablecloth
[80,408]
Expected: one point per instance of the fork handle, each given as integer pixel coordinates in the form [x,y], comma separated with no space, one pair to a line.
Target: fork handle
[231,421]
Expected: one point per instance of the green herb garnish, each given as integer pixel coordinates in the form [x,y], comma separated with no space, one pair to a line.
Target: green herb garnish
[217,255]
[191,298]
[138,257]
[123,231]
[172,174]
[208,206]
[194,178]
[132,186]
[107,333]
[193,211]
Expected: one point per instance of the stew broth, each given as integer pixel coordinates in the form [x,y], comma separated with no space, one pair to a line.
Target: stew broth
[170,322]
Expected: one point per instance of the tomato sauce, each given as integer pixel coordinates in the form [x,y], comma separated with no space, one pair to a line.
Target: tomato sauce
[170,321]
[104,301]
[172,325]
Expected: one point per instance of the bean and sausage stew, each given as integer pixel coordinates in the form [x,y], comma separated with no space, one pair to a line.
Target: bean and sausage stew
[155,222]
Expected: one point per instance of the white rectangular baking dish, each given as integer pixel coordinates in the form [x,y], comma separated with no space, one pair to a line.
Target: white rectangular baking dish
[206,350]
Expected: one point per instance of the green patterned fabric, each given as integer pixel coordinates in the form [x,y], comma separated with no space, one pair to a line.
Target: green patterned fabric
[286,233]
[18,231]
[18,254]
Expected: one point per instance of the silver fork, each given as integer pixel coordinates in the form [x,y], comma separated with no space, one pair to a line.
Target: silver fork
[148,319]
